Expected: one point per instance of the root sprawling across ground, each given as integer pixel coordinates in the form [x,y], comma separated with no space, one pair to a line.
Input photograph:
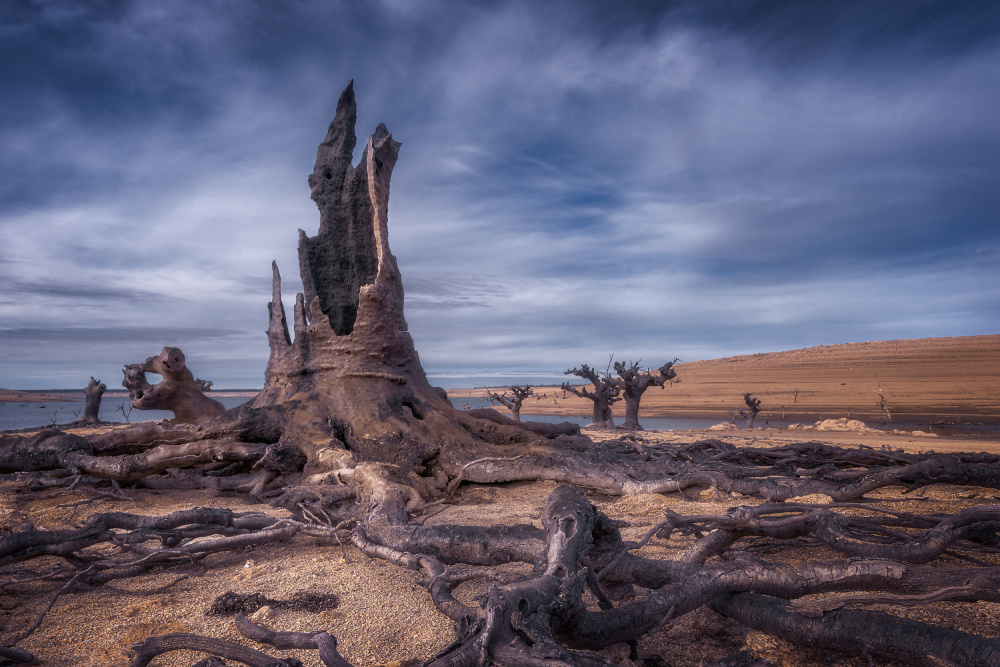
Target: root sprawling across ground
[880,554]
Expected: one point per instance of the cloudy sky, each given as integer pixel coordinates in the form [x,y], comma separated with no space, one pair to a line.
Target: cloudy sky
[691,179]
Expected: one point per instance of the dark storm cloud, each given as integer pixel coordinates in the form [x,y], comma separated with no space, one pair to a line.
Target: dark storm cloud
[847,31]
[651,179]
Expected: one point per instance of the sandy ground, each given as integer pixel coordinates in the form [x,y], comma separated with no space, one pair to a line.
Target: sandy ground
[925,380]
[385,616]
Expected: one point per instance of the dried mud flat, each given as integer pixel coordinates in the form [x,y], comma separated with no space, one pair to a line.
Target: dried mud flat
[383,614]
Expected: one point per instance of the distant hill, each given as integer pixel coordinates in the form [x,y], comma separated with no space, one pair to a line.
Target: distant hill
[14,396]
[923,380]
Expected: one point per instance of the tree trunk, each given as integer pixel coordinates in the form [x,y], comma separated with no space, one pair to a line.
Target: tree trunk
[352,371]
[632,411]
[634,382]
[608,419]
[93,393]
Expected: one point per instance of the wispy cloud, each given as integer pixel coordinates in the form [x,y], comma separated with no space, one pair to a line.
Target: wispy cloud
[686,179]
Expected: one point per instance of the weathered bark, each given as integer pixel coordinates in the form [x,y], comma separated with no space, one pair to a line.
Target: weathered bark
[605,393]
[179,392]
[324,642]
[520,622]
[152,647]
[350,279]
[543,618]
[865,632]
[634,382]
[351,370]
[171,529]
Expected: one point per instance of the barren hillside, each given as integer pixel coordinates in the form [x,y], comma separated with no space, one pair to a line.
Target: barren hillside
[923,380]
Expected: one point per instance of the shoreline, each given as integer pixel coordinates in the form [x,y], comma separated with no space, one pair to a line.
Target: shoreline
[16,396]
[576,407]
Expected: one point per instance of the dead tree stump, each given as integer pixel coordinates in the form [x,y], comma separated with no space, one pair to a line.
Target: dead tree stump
[351,374]
[93,393]
[179,392]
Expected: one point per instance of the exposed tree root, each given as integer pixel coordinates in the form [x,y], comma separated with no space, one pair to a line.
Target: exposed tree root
[546,618]
[861,632]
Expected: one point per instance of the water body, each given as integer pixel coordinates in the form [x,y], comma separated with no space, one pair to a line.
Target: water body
[648,423]
[31,415]
[14,415]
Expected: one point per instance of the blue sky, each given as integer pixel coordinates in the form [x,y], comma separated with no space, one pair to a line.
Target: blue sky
[689,179]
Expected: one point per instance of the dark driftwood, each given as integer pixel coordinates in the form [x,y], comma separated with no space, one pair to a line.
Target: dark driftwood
[324,642]
[179,392]
[149,649]
[18,656]
[866,632]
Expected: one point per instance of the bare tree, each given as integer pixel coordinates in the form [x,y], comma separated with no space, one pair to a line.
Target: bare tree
[606,391]
[514,400]
[795,395]
[753,407]
[634,382]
